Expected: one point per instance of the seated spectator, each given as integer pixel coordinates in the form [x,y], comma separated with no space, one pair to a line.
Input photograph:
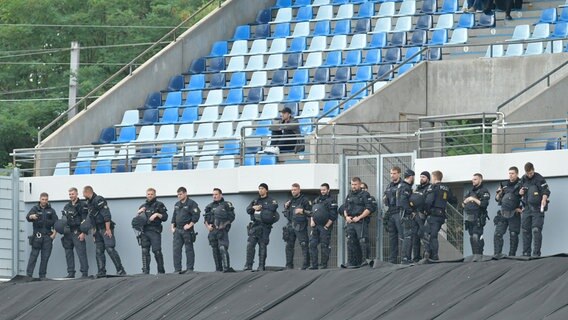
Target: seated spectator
[286,127]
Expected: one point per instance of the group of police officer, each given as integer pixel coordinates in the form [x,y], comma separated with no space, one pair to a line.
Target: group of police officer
[413,215]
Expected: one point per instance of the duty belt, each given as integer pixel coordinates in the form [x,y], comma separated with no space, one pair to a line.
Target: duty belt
[40,234]
[437,212]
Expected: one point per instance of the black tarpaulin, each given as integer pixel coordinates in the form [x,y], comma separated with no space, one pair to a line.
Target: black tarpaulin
[504,289]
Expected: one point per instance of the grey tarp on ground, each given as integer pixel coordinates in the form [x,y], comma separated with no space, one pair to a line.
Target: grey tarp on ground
[504,289]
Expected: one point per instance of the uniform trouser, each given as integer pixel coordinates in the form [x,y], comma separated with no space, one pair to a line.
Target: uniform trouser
[532,222]
[104,243]
[301,233]
[475,230]
[320,236]
[395,234]
[409,233]
[431,228]
[70,241]
[151,239]
[219,242]
[183,237]
[258,233]
[419,221]
[513,223]
[358,245]
[42,245]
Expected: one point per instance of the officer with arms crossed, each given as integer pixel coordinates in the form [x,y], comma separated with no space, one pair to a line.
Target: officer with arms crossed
[535,195]
[153,212]
[186,215]
[43,217]
[104,232]
[374,207]
[324,214]
[298,211]
[391,219]
[358,206]
[509,216]
[417,202]
[403,195]
[262,211]
[218,217]
[475,213]
[74,214]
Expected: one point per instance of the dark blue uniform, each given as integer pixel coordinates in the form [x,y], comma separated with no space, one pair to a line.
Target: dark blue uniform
[75,213]
[324,209]
[403,195]
[532,218]
[417,202]
[475,217]
[151,235]
[259,231]
[391,219]
[297,228]
[220,214]
[40,240]
[100,215]
[358,232]
[437,197]
[508,217]
[184,213]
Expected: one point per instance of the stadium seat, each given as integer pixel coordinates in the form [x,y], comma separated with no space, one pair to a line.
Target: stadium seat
[247,131]
[366,10]
[521,32]
[196,82]
[61,169]
[167,132]
[342,27]
[242,32]
[324,13]
[219,48]
[130,117]
[143,165]
[189,115]
[321,75]
[106,153]
[407,8]
[82,167]
[204,131]
[103,166]
[206,162]
[255,95]
[548,15]
[392,55]
[534,48]
[300,77]
[193,98]
[342,74]
[209,114]
[302,29]
[449,6]
[467,20]
[250,160]
[329,109]
[373,57]
[108,135]
[353,58]
[541,31]
[281,30]
[306,126]
[283,3]
[383,25]
[494,51]
[405,67]
[197,66]
[218,81]
[337,91]
[459,35]
[275,94]
[514,50]
[235,96]
[297,45]
[560,29]
[279,78]
[126,134]
[226,161]
[338,43]
[153,100]
[216,64]
[296,93]
[553,46]
[429,6]
[209,148]
[486,20]
[283,15]
[170,115]
[358,41]
[262,31]
[310,110]
[264,16]
[269,111]
[304,14]
[317,92]
[85,154]
[413,55]
[318,43]
[419,38]
[333,59]
[214,98]
[385,73]
[185,163]
[445,21]
[357,87]
[313,60]
[387,9]
[364,73]
[362,26]
[259,46]
[398,39]
[255,63]
[147,133]
[267,159]
[250,112]
[318,3]
[434,54]
[439,37]
[185,132]
[173,99]
[294,60]
[424,22]
[378,40]
[278,46]
[230,113]
[164,164]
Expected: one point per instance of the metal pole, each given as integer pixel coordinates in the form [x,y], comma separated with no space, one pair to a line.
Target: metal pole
[74,69]
[15,221]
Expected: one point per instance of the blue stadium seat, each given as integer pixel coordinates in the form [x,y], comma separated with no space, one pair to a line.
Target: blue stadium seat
[170,115]
[294,60]
[264,16]
[342,27]
[193,98]
[153,100]
[411,52]
[322,28]
[356,87]
[333,59]
[561,28]
[235,96]
[304,14]
[167,150]
[173,99]
[384,72]
[301,77]
[242,32]
[296,93]
[337,91]
[330,106]
[393,55]
[126,134]
[281,30]
[283,3]
[424,22]
[439,37]
[306,126]
[378,40]
[83,167]
[349,104]
[467,20]
[164,164]
[553,144]
[150,116]
[196,82]
[366,10]
[563,15]
[185,163]
[342,74]
[238,80]
[298,44]
[250,159]
[302,3]
[398,39]
[353,58]
[197,66]
[267,159]
[419,38]
[434,54]
[216,64]
[364,73]
[123,165]
[103,166]
[279,78]
[231,147]
[262,31]
[108,135]
[321,75]
[449,6]
[362,26]
[217,81]
[373,56]
[339,2]
[219,48]
[429,6]
[548,16]
[263,128]
[176,83]
[189,115]
[405,67]
[255,95]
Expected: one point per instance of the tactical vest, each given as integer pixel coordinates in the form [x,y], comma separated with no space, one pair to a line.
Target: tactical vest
[355,203]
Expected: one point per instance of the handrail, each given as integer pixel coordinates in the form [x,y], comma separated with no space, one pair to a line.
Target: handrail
[119,72]
[532,85]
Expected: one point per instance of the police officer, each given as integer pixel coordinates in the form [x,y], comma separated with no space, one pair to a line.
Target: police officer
[403,195]
[366,246]
[154,212]
[101,217]
[475,213]
[262,211]
[358,206]
[437,197]
[509,216]
[417,201]
[298,212]
[186,214]
[391,218]
[75,212]
[43,217]
[324,214]
[535,194]
[218,217]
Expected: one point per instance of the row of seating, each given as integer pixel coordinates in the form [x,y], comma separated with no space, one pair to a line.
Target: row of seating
[540,31]
[550,15]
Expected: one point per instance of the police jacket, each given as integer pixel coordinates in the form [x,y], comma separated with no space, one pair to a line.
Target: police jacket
[151,207]
[327,203]
[536,187]
[267,204]
[389,196]
[480,193]
[185,212]
[219,213]
[418,197]
[45,221]
[75,214]
[509,198]
[357,202]
[437,197]
[299,202]
[403,193]
[98,210]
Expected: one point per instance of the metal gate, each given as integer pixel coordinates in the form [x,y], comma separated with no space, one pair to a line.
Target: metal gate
[10,220]
[374,170]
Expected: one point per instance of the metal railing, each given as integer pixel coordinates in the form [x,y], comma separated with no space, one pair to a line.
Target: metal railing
[138,60]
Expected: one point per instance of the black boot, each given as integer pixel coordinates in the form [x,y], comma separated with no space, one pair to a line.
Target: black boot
[250,257]
[314,259]
[101,262]
[116,260]
[159,256]
[261,258]
[145,261]
[225,260]
[217,258]
[537,238]
[290,255]
[514,244]
[306,256]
